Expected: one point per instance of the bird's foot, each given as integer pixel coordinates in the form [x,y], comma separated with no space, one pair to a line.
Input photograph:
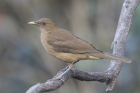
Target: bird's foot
[60,77]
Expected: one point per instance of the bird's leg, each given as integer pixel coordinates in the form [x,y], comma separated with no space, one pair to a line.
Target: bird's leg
[70,65]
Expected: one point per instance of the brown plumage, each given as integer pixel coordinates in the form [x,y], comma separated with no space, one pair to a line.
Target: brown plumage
[65,46]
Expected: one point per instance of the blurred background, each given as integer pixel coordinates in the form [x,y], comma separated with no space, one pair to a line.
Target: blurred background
[24,61]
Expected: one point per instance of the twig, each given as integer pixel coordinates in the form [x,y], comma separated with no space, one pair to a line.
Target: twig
[109,77]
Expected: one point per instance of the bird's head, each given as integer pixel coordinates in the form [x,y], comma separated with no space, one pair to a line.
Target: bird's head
[44,24]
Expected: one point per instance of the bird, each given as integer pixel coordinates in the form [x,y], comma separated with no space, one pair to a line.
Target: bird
[67,47]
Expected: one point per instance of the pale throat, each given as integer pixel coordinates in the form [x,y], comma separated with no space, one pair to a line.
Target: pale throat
[44,31]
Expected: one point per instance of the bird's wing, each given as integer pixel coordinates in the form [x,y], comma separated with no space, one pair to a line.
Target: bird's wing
[68,43]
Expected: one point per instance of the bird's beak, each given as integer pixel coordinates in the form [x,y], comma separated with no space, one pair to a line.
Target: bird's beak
[32,23]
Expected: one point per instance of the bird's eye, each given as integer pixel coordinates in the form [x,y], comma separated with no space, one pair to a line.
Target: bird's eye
[44,23]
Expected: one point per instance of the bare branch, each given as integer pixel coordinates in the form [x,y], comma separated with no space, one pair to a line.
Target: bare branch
[109,77]
[124,24]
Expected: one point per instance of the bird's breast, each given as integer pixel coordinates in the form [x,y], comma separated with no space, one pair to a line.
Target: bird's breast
[44,38]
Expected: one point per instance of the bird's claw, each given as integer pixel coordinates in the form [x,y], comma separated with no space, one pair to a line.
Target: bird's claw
[60,78]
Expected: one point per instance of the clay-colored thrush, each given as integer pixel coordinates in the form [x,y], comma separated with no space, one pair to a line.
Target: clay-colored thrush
[65,46]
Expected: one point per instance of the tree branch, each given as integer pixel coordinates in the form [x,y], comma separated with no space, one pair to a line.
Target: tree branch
[109,77]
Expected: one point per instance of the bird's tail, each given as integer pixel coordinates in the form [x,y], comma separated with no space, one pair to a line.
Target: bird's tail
[109,56]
